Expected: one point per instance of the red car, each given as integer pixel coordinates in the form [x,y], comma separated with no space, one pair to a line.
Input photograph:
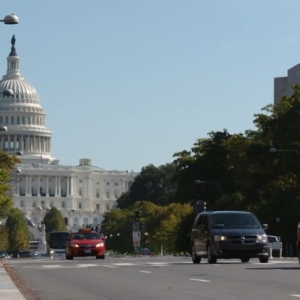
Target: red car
[85,242]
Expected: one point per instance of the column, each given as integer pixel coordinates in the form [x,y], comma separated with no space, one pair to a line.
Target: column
[15,143]
[47,186]
[71,186]
[68,186]
[38,185]
[29,184]
[87,193]
[59,186]
[26,185]
[56,186]
[123,186]
[27,146]
[8,142]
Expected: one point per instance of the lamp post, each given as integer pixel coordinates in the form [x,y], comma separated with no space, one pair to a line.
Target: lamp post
[275,150]
[10,20]
[211,182]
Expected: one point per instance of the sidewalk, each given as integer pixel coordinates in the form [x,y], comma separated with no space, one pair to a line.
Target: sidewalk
[8,290]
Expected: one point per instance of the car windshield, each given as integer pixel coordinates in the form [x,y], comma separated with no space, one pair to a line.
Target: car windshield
[85,236]
[57,240]
[234,220]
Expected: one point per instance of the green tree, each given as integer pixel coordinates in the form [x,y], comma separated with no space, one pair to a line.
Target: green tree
[7,181]
[3,238]
[153,184]
[18,233]
[54,220]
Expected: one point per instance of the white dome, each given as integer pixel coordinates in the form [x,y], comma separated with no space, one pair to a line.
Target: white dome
[19,86]
[22,115]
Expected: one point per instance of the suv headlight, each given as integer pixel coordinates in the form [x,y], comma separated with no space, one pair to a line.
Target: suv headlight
[218,238]
[100,245]
[261,238]
[74,245]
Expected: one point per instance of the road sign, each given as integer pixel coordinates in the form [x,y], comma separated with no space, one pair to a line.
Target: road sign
[136,244]
[136,236]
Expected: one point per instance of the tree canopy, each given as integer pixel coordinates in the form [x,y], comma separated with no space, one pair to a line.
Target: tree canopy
[54,220]
[17,231]
[234,171]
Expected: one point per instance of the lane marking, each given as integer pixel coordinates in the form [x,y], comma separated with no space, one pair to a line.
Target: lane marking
[86,265]
[201,280]
[123,264]
[51,266]
[108,266]
[295,295]
[148,272]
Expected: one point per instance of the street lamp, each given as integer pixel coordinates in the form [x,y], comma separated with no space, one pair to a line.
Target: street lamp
[7,93]
[10,20]
[275,150]
[211,182]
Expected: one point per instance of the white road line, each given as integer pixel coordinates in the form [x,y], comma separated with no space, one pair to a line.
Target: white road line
[86,265]
[51,266]
[123,264]
[202,280]
[107,266]
[148,272]
[295,295]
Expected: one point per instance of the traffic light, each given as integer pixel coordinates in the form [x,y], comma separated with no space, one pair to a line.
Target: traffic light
[137,216]
[199,206]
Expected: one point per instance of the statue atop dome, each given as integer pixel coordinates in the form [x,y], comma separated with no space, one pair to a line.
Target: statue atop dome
[13,48]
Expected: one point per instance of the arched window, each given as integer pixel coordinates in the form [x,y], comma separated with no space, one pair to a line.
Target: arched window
[85,221]
[66,221]
[95,222]
[75,221]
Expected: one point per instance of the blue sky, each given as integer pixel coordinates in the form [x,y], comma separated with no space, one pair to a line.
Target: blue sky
[130,82]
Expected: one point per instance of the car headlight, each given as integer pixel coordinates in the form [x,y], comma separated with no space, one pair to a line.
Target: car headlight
[218,238]
[51,252]
[74,245]
[261,238]
[100,245]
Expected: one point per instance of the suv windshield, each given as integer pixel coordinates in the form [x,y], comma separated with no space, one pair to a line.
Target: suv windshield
[57,240]
[234,220]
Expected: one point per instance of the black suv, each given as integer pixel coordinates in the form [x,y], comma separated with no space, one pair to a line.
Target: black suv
[228,234]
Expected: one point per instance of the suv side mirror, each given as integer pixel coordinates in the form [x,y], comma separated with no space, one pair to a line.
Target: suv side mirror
[265,226]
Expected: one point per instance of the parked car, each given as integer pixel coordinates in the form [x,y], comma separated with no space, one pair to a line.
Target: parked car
[228,234]
[145,251]
[275,242]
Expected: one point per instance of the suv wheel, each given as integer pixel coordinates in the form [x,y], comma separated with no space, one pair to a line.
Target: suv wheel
[211,258]
[264,259]
[195,258]
[245,259]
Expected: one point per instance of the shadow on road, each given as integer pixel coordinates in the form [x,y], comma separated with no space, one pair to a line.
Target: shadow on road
[274,268]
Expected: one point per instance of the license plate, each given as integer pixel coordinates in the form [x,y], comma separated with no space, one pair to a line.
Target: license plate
[87,251]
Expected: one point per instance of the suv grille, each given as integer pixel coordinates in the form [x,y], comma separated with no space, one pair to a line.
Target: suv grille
[238,239]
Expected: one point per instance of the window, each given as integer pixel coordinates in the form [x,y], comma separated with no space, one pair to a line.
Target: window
[107,206]
[1,120]
[80,205]
[22,203]
[12,120]
[75,221]
[63,204]
[18,120]
[107,194]
[116,194]
[108,183]
[33,204]
[97,194]
[51,204]
[80,192]
[6,120]
[98,206]
[116,183]
[80,180]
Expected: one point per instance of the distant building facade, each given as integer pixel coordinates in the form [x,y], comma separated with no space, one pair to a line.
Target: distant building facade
[283,85]
[82,193]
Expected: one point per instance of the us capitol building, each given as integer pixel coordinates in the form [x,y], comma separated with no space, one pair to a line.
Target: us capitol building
[82,193]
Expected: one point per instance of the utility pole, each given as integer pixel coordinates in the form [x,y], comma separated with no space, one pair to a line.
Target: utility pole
[136,234]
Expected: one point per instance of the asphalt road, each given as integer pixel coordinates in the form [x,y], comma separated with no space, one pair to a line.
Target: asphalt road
[160,278]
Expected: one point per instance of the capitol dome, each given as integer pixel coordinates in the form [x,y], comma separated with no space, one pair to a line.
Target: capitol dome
[22,115]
